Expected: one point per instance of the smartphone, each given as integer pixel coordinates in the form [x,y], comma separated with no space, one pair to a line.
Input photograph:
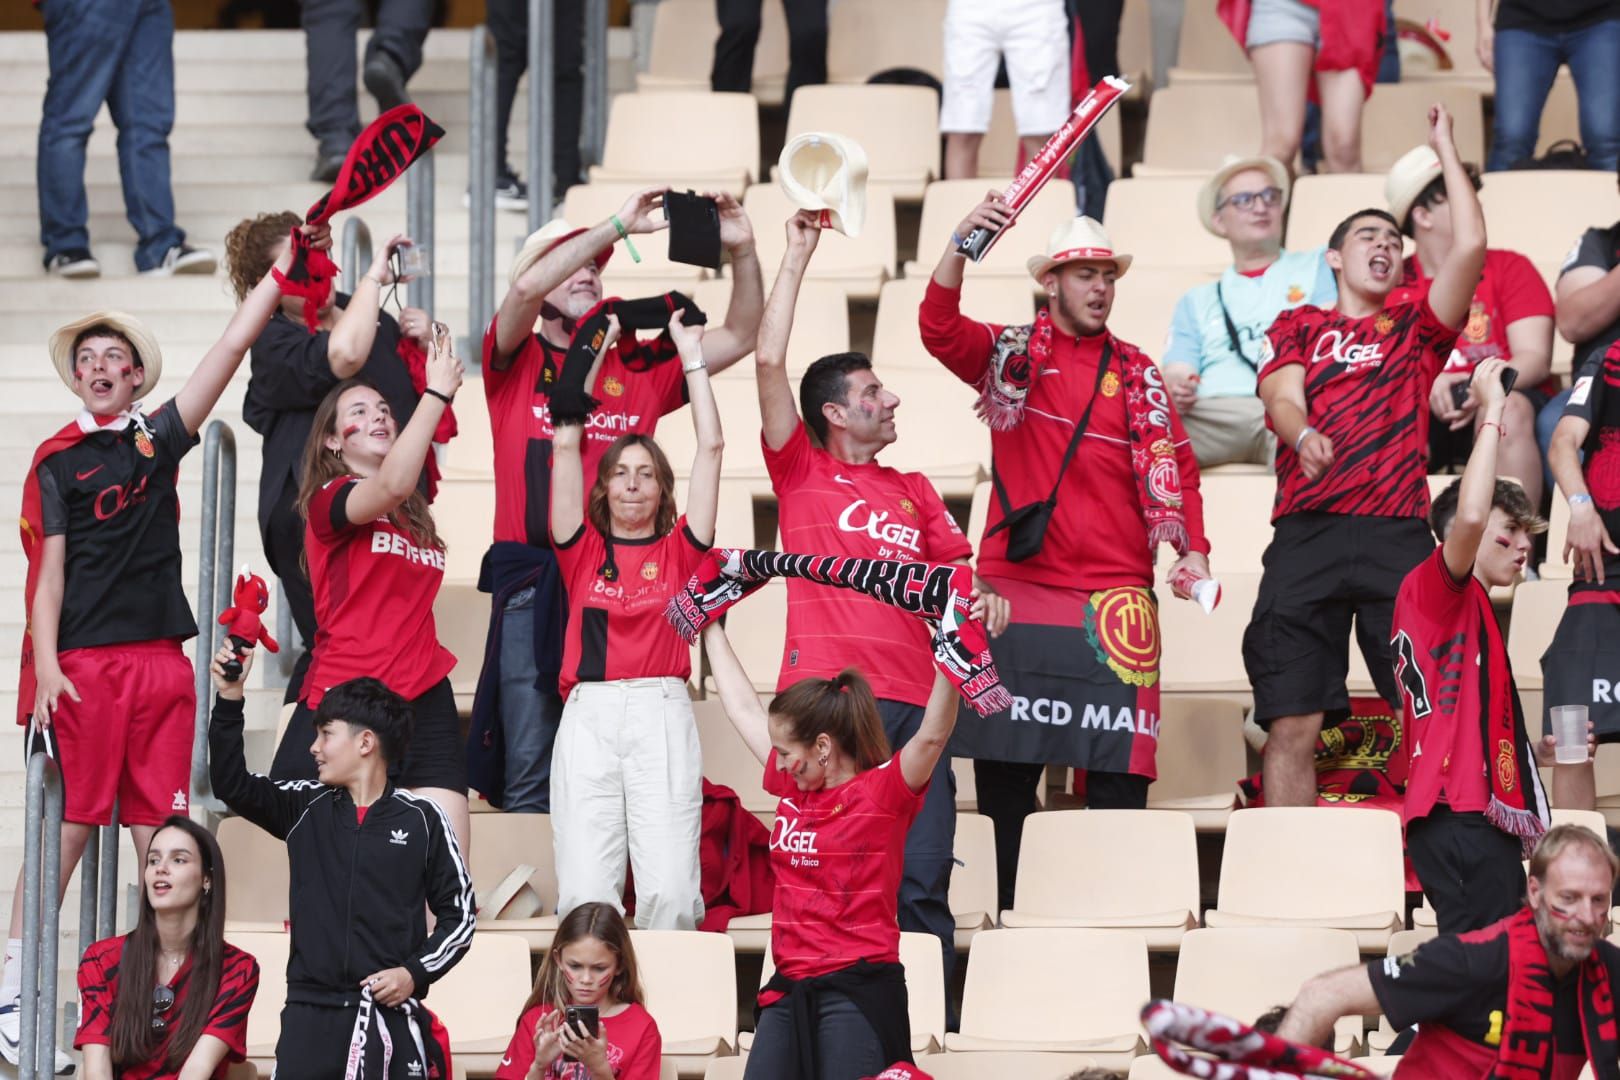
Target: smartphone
[694,229]
[586,1019]
[410,263]
[1459,389]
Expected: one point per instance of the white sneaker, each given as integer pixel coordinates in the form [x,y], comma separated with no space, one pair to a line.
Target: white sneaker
[183,259]
[11,1037]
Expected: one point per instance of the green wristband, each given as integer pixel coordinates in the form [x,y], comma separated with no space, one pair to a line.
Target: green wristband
[624,234]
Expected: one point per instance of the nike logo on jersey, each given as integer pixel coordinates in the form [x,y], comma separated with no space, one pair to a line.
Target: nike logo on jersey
[88,473]
[838,478]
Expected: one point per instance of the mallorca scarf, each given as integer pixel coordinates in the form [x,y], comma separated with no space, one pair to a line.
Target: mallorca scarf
[934,592]
[1016,360]
[570,399]
[1240,1052]
[382,153]
[32,525]
[1527,1031]
[1518,804]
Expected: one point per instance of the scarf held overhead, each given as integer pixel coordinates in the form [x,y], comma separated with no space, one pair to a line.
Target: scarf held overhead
[1016,361]
[570,399]
[1239,1051]
[379,156]
[937,593]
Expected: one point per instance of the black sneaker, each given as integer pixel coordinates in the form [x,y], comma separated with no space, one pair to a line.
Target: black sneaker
[75,263]
[183,259]
[327,167]
[511,193]
[385,81]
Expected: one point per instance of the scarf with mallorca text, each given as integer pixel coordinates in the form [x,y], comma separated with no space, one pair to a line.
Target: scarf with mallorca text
[1239,1051]
[937,593]
[1016,360]
[1528,1027]
[379,156]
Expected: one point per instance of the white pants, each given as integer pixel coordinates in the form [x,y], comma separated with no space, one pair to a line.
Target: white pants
[627,780]
[1033,37]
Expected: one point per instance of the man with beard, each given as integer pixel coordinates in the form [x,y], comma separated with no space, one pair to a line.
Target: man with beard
[556,281]
[1529,996]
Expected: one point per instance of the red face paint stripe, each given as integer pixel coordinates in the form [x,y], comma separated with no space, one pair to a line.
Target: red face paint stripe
[352,429]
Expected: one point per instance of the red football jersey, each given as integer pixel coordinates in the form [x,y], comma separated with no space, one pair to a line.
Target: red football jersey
[519,398]
[830,507]
[374,591]
[633,1048]
[617,629]
[1367,384]
[838,854]
[1510,289]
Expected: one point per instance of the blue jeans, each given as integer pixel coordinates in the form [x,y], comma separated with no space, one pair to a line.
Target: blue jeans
[119,52]
[529,717]
[1527,61]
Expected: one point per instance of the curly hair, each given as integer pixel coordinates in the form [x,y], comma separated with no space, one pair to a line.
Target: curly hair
[250,248]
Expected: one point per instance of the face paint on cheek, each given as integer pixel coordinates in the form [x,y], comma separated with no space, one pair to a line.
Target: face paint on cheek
[1562,914]
[1502,541]
[350,431]
[125,371]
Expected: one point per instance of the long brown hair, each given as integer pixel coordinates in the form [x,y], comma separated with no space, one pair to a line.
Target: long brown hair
[250,248]
[322,466]
[133,1039]
[844,709]
[594,920]
[596,504]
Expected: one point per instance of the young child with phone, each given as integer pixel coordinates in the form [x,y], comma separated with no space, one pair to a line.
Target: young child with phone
[584,1019]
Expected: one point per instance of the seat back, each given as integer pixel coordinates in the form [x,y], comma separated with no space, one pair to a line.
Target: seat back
[1396,119]
[719,136]
[1566,202]
[1289,862]
[948,201]
[727,760]
[1243,972]
[1318,203]
[1207,45]
[271,950]
[973,875]
[689,978]
[503,841]
[1538,607]
[1193,126]
[865,37]
[259,875]
[836,254]
[461,618]
[897,126]
[1021,984]
[1083,863]
[480,998]
[1201,747]
[1155,218]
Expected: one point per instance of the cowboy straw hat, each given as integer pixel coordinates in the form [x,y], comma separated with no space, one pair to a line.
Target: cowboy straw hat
[1210,193]
[1407,178]
[820,170]
[1081,239]
[140,338]
[543,240]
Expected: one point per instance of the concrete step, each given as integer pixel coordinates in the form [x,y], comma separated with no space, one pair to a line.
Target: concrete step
[229,46]
[187,169]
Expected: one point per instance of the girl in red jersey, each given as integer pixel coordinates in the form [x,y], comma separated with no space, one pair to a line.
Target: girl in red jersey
[170,999]
[626,773]
[376,563]
[591,963]
[838,848]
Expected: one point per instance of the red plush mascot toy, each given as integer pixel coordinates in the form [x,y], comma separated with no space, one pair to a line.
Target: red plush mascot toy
[241,620]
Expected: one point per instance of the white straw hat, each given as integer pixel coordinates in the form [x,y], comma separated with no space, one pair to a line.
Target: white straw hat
[1416,170]
[140,338]
[820,170]
[1210,193]
[544,239]
[1081,239]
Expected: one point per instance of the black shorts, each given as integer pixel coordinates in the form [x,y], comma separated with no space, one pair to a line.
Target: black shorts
[1323,574]
[434,758]
[1450,449]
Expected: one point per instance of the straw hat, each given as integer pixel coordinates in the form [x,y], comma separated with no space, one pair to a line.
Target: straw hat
[820,170]
[1073,241]
[1416,170]
[1210,193]
[543,240]
[146,348]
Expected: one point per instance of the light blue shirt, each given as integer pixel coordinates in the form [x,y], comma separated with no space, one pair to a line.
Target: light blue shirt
[1198,334]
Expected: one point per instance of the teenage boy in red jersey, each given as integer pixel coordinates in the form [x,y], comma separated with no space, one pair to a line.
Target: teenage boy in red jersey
[1346,390]
[103,676]
[836,499]
[1474,803]
[556,279]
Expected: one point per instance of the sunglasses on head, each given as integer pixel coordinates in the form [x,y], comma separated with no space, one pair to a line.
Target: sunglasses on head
[162,1002]
[1268,197]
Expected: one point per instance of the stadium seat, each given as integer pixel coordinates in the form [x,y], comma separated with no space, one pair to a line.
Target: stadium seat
[1538,607]
[682,50]
[1023,993]
[896,342]
[1396,119]
[947,202]
[1207,47]
[1320,202]
[973,878]
[1203,654]
[501,843]
[1380,1038]
[897,126]
[820,327]
[689,979]
[1243,973]
[1061,883]
[1144,305]
[1004,1065]
[979,512]
[757,628]
[865,37]
[858,265]
[259,877]
[270,949]
[728,761]
[1566,203]
[718,144]
[1191,127]
[1135,48]
[939,435]
[1237,520]
[1332,867]
[587,204]
[479,1000]
[1155,220]
[724,1068]
[467,456]
[461,617]
[464,515]
[999,152]
[1201,758]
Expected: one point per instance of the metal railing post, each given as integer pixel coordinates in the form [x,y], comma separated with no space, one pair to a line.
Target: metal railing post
[356,252]
[419,224]
[42,869]
[216,564]
[542,123]
[593,124]
[481,168]
[107,896]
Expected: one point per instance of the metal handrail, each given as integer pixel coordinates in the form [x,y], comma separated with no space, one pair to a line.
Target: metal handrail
[593,120]
[481,166]
[98,886]
[216,562]
[542,122]
[42,863]
[356,261]
[419,226]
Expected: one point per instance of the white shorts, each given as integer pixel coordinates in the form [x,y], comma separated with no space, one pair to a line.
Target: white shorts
[1034,37]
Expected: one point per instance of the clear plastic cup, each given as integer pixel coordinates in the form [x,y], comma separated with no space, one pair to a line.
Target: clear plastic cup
[1569,734]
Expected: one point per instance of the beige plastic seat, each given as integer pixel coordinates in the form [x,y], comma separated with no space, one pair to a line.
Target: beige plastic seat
[1567,203]
[683,37]
[979,510]
[1554,566]
[897,126]
[1004,1065]
[1144,305]
[999,152]
[1201,758]
[1242,973]
[689,979]
[1332,867]
[955,456]
[1396,118]
[1085,868]
[259,877]
[1203,654]
[896,341]
[858,265]
[1237,520]
[461,617]
[1156,220]
[464,514]
[820,328]
[973,878]
[501,843]
[467,456]
[718,144]
[865,37]
[1021,993]
[270,949]
[1405,941]
[1207,47]
[479,1000]
[757,628]
[1319,203]
[724,1068]
[1191,127]
[1538,607]
[947,202]
[587,204]
[727,761]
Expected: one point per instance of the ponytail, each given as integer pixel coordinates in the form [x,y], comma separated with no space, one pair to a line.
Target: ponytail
[844,709]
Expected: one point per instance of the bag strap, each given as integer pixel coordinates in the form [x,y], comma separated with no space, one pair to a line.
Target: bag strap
[1231,330]
[1068,454]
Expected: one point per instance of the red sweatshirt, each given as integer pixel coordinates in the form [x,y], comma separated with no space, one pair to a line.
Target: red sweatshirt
[1097,538]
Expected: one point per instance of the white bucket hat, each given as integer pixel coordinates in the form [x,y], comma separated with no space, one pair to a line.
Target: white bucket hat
[145,345]
[1210,193]
[1407,178]
[1082,238]
[543,240]
[819,170]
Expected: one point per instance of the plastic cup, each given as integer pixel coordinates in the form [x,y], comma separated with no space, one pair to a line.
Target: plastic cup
[1569,734]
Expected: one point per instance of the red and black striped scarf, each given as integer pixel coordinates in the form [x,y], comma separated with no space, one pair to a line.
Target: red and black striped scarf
[938,593]
[1239,1052]
[1528,1045]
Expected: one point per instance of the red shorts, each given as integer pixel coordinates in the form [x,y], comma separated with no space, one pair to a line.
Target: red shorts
[128,737]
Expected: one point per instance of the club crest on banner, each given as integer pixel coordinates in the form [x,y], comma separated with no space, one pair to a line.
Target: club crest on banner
[1122,627]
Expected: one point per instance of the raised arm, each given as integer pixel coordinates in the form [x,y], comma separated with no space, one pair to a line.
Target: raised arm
[348,346]
[1283,392]
[703,492]
[778,413]
[1346,992]
[921,752]
[737,695]
[567,455]
[1458,275]
[272,806]
[734,339]
[992,213]
[1478,484]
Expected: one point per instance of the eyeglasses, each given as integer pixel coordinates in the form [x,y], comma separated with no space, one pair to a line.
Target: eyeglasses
[162,1002]
[1269,197]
